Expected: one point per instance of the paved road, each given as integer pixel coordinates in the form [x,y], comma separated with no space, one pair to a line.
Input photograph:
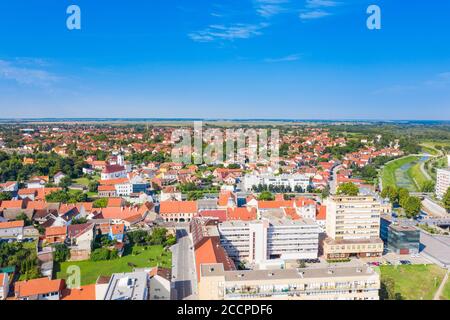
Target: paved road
[333,183]
[183,267]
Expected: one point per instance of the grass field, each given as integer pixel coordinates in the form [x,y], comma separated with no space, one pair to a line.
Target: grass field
[414,282]
[85,181]
[416,175]
[446,293]
[139,256]
[393,174]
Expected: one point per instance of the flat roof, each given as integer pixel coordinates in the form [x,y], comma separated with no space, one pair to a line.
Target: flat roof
[127,286]
[212,270]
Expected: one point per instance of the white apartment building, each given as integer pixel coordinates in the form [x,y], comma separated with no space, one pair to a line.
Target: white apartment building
[123,189]
[334,283]
[286,180]
[259,241]
[442,182]
[353,226]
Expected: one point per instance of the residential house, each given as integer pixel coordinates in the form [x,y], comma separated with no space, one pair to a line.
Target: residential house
[81,238]
[55,234]
[178,211]
[39,289]
[113,172]
[12,230]
[58,177]
[160,283]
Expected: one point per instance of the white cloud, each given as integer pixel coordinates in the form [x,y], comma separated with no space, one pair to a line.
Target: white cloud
[227,32]
[289,58]
[269,8]
[321,3]
[315,14]
[25,74]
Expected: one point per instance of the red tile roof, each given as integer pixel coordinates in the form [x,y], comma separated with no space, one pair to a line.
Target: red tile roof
[169,207]
[38,286]
[321,213]
[55,231]
[83,293]
[12,224]
[244,214]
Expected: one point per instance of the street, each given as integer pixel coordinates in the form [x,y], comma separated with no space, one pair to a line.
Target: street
[183,267]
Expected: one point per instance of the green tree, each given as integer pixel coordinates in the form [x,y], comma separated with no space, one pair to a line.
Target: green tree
[65,182]
[100,203]
[24,217]
[61,252]
[427,186]
[266,196]
[403,195]
[93,186]
[79,221]
[348,189]
[5,196]
[100,254]
[446,200]
[391,193]
[412,206]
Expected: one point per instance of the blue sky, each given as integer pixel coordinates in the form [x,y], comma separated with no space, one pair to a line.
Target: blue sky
[300,59]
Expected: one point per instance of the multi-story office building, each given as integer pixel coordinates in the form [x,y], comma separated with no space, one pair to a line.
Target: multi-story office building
[353,227]
[292,181]
[442,182]
[337,283]
[398,237]
[258,241]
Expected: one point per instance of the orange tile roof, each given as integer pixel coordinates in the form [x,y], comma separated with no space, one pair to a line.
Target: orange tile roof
[12,224]
[106,188]
[115,202]
[168,207]
[83,293]
[9,204]
[37,205]
[224,196]
[275,204]
[55,231]
[321,213]
[210,251]
[123,212]
[38,286]
[113,181]
[117,228]
[291,213]
[243,214]
[302,201]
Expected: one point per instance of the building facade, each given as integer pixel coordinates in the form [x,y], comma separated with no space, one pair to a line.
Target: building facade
[353,227]
[337,283]
[258,241]
[292,181]
[442,182]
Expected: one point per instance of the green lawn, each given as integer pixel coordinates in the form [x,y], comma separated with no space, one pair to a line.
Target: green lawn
[446,293]
[139,256]
[85,181]
[416,174]
[393,175]
[414,282]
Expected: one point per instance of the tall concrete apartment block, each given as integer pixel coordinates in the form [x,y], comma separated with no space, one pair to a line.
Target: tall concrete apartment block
[353,227]
[442,181]
[263,240]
